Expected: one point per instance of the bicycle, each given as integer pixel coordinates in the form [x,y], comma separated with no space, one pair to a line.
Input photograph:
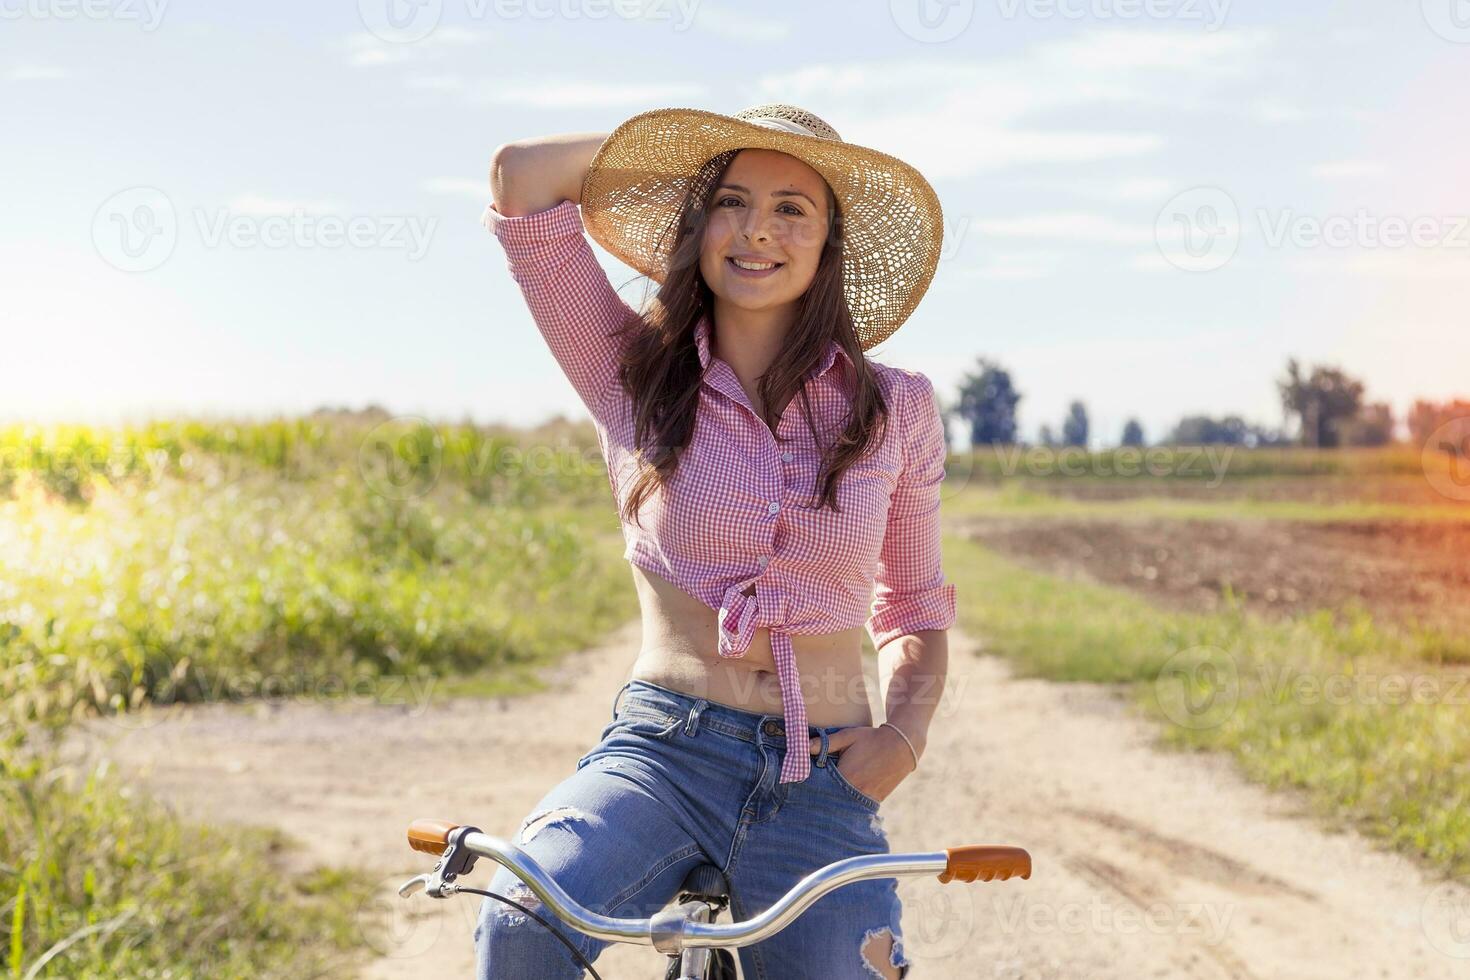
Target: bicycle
[686,930]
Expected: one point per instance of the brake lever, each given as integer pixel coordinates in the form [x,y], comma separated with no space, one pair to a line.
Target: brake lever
[455,861]
[412,885]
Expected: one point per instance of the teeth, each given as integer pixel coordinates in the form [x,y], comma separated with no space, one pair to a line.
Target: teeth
[754,266]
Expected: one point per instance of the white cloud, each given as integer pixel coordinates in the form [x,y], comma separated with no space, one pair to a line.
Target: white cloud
[1068,227]
[1446,264]
[258,204]
[962,118]
[744,26]
[1015,265]
[1275,110]
[364,50]
[1221,53]
[435,83]
[456,186]
[1347,169]
[588,93]
[37,73]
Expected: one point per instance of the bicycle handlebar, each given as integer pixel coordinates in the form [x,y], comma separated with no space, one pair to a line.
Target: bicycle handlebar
[672,929]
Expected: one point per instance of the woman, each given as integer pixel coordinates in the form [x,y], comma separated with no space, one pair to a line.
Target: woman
[778,492]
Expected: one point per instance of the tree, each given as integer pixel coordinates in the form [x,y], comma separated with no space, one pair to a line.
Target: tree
[1074,427]
[1231,430]
[1373,426]
[1322,401]
[1133,433]
[1047,436]
[1202,430]
[1425,417]
[988,402]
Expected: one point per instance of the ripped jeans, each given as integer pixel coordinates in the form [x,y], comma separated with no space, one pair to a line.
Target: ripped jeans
[676,781]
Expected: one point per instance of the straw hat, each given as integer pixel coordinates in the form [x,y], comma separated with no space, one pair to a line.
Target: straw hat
[893,226]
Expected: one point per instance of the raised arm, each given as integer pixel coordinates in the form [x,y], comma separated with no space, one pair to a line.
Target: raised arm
[534,174]
[536,186]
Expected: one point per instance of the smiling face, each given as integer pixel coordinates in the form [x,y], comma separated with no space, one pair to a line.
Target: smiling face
[767,224]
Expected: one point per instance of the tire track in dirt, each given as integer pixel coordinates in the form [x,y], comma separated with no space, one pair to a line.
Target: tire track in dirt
[1148,864]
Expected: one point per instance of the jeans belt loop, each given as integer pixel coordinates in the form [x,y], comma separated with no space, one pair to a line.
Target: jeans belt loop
[692,725]
[618,697]
[822,758]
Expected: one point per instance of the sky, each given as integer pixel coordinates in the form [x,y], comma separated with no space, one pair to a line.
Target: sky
[250,209]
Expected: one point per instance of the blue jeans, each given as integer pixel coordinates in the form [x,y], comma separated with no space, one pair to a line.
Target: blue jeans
[676,781]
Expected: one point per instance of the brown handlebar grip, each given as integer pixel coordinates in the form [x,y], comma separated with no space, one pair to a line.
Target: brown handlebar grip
[986,862]
[430,836]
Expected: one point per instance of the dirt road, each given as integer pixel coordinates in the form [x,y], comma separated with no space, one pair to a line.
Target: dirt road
[1148,864]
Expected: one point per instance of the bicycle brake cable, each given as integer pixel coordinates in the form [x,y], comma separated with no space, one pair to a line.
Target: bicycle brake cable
[565,942]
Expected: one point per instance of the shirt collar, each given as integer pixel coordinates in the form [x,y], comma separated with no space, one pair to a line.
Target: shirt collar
[701,342]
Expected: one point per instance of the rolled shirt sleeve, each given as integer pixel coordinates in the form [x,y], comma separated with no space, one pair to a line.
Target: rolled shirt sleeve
[569,295]
[910,592]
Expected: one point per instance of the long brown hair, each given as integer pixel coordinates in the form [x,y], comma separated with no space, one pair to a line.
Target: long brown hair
[661,373]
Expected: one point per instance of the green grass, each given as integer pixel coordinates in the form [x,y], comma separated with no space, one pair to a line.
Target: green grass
[1324,703]
[98,881]
[316,558]
[1188,464]
[1016,500]
[177,591]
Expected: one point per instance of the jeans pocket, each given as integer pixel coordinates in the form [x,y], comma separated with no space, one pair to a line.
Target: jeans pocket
[852,790]
[644,721]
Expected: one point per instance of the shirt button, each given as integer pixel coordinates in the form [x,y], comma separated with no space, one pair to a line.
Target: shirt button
[763,560]
[788,456]
[772,507]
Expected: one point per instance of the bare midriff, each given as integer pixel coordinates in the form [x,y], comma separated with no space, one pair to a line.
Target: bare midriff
[680,651]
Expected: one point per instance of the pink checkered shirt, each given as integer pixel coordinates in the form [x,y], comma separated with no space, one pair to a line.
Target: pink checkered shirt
[740,511]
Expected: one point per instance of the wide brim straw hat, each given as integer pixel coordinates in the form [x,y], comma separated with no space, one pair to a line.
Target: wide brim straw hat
[893,227]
